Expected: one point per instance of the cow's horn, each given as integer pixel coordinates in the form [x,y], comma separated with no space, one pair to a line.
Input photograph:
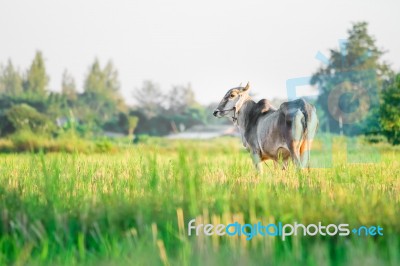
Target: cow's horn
[247,87]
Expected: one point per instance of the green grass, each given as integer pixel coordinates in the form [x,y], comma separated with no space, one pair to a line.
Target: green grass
[132,207]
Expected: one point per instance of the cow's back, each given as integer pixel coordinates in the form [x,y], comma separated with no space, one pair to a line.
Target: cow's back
[277,130]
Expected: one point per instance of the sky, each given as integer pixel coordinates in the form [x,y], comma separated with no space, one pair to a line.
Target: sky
[213,45]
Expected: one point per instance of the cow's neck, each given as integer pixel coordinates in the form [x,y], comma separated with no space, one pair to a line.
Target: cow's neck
[243,117]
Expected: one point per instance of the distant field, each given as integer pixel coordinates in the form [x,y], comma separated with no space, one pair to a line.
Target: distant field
[132,207]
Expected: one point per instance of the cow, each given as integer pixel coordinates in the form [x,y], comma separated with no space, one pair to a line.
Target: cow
[269,133]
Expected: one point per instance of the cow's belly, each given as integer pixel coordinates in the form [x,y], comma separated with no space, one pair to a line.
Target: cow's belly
[271,141]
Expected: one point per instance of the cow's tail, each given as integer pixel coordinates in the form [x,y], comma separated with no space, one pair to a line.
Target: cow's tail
[310,129]
[295,119]
[301,119]
[298,119]
[297,122]
[296,111]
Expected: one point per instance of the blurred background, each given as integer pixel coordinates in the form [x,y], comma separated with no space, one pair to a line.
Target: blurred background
[97,69]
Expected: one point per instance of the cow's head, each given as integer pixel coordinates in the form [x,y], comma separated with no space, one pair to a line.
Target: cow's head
[232,101]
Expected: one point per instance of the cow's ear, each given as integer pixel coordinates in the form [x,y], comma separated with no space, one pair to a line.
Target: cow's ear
[247,87]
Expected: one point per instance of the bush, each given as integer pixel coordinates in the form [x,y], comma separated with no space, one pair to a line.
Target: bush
[27,141]
[374,139]
[118,124]
[104,146]
[6,145]
[25,117]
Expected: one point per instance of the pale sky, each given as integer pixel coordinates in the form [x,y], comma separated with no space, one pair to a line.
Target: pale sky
[214,45]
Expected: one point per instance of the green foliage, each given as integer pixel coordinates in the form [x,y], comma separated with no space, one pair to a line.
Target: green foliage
[7,146]
[189,118]
[68,87]
[100,95]
[27,141]
[10,80]
[7,101]
[117,124]
[390,111]
[68,142]
[25,117]
[358,69]
[104,146]
[37,80]
[99,107]
[368,139]
[130,207]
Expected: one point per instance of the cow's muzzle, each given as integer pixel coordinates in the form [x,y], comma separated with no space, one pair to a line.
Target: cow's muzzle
[222,113]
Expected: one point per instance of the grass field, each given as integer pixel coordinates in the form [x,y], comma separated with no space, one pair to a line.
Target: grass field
[132,207]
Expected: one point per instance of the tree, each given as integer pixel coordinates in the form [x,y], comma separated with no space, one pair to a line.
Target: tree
[349,84]
[37,80]
[113,86]
[10,80]
[150,99]
[390,111]
[68,87]
[180,98]
[111,78]
[94,82]
[101,92]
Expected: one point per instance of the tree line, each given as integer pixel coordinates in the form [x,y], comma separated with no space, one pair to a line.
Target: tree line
[359,94]
[26,103]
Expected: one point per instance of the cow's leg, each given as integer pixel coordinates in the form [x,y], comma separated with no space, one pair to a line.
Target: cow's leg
[281,160]
[282,164]
[305,151]
[285,163]
[295,153]
[256,161]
